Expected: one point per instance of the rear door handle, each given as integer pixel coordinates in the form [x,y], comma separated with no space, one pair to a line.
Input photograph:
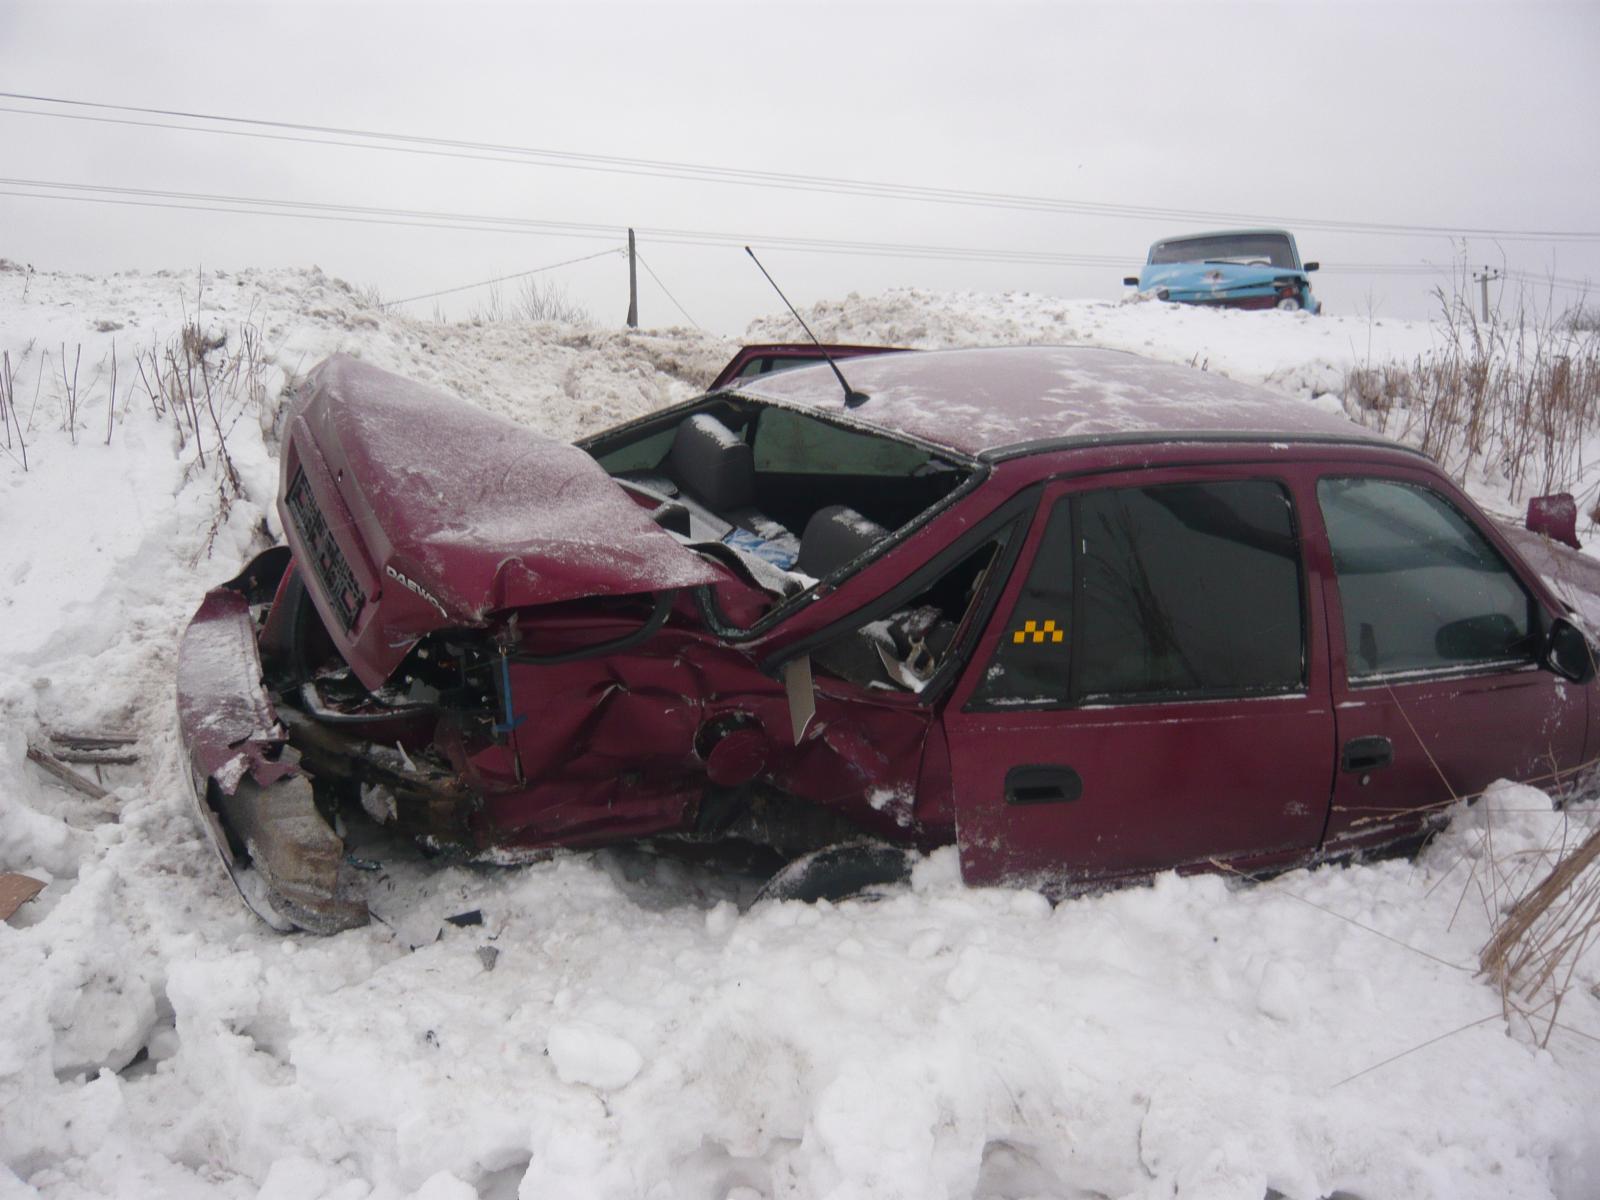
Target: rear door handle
[1042,784]
[1367,753]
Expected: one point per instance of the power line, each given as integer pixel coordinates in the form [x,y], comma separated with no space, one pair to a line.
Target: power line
[489,223]
[306,216]
[467,287]
[663,287]
[434,219]
[663,168]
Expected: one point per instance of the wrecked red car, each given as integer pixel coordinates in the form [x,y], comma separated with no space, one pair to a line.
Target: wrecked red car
[1086,616]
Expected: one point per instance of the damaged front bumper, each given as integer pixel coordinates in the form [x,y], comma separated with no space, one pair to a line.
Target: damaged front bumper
[255,804]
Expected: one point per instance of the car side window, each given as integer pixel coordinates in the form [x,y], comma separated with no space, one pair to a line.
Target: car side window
[1030,665]
[905,648]
[1179,591]
[1421,588]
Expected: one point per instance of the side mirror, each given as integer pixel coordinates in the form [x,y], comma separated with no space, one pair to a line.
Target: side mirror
[1568,653]
[1310,267]
[1131,280]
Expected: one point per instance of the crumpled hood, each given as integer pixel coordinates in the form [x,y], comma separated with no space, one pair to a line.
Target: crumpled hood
[445,513]
[1212,278]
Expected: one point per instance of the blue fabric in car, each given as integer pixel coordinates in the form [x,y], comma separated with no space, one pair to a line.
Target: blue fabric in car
[778,553]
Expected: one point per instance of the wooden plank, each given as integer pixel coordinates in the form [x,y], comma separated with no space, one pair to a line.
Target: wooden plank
[93,741]
[54,766]
[103,758]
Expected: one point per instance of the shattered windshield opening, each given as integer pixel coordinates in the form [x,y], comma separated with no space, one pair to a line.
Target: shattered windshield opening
[794,497]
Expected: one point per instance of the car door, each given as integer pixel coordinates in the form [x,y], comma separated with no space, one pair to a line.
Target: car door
[1436,645]
[1152,690]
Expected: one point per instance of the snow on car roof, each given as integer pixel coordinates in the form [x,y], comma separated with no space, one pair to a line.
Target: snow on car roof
[1003,401]
[1216,233]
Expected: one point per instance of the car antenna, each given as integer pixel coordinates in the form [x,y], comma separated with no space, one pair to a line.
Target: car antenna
[852,398]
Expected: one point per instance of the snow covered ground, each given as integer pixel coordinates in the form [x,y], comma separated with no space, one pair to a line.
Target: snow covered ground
[618,1026]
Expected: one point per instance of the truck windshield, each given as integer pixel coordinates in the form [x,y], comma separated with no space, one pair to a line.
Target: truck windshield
[1268,249]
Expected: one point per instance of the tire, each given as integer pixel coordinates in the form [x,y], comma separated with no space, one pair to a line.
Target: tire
[1288,304]
[839,872]
[310,649]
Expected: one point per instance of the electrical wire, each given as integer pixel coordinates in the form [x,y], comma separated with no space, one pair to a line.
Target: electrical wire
[491,223]
[214,202]
[663,287]
[664,168]
[467,287]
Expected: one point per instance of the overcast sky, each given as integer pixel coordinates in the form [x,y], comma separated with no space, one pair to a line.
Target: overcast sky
[1431,115]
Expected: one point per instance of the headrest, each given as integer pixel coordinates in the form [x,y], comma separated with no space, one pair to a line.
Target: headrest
[713,464]
[834,536]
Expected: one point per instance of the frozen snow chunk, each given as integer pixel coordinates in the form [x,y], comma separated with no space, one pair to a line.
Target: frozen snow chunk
[1279,996]
[220,991]
[940,871]
[445,1186]
[926,944]
[1030,904]
[296,1178]
[721,918]
[586,1054]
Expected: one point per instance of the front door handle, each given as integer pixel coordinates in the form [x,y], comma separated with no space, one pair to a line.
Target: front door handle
[1042,784]
[1367,753]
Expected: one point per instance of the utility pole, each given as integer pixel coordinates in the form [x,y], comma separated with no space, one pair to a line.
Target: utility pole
[1483,277]
[633,285]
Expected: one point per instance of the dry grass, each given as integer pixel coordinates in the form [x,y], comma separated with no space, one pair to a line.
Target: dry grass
[205,388]
[1515,399]
[1545,931]
[9,420]
[533,302]
[1582,318]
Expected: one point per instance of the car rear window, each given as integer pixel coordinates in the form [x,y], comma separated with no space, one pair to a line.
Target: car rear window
[1179,591]
[794,443]
[1265,248]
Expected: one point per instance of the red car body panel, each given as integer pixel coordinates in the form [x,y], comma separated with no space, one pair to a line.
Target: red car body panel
[407,485]
[232,730]
[1452,735]
[1169,784]
[1255,783]
[999,402]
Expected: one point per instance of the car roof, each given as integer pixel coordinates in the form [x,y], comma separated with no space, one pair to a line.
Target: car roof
[1005,401]
[1216,233]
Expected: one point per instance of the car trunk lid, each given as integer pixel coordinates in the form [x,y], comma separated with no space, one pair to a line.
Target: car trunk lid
[414,511]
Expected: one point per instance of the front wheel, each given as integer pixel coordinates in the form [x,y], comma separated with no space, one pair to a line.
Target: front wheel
[839,872]
[1289,304]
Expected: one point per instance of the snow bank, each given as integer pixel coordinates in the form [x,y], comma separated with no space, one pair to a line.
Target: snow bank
[617,1026]
[1294,353]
